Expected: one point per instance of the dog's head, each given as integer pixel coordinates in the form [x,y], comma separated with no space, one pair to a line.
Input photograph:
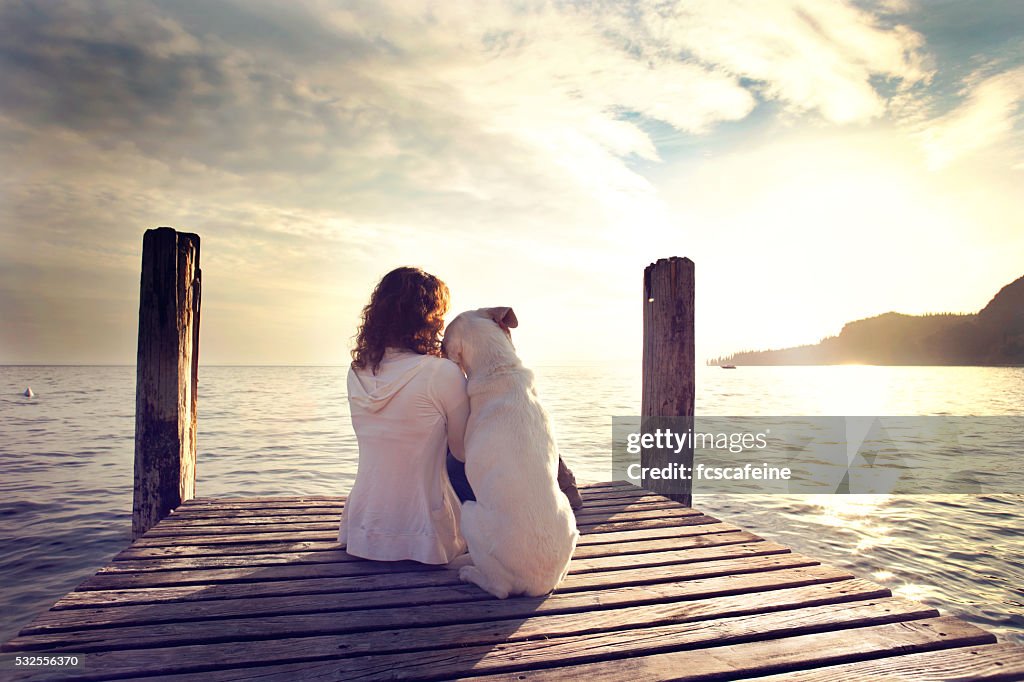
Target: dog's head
[480,338]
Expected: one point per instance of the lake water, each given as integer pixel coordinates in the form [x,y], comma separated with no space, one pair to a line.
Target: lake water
[66,469]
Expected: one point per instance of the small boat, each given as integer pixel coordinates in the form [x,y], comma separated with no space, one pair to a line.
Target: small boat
[728,366]
[29,393]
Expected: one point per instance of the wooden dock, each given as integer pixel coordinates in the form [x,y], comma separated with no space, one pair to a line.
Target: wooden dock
[237,589]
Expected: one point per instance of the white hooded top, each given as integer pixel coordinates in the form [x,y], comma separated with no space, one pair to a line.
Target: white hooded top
[406,416]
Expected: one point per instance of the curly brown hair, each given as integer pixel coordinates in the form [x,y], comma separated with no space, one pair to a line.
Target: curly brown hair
[406,310]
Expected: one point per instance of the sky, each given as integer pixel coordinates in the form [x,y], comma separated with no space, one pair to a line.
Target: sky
[820,161]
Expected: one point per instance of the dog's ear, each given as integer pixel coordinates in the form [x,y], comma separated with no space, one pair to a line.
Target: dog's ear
[504,316]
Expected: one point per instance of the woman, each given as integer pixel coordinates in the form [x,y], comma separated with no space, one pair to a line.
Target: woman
[409,407]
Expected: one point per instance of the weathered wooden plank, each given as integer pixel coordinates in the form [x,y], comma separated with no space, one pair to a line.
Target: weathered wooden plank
[306,522]
[172,531]
[141,549]
[762,657]
[626,544]
[189,510]
[708,592]
[638,547]
[228,506]
[655,532]
[274,517]
[236,539]
[606,484]
[647,501]
[624,493]
[188,524]
[197,501]
[201,502]
[594,523]
[135,553]
[589,491]
[992,662]
[410,570]
[165,563]
[447,650]
[232,561]
[689,555]
[184,513]
[520,656]
[43,634]
[643,546]
[586,490]
[614,526]
[591,534]
[585,517]
[178,521]
[251,543]
[393,574]
[624,573]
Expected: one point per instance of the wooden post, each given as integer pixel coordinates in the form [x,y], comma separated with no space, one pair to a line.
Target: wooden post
[668,365]
[167,376]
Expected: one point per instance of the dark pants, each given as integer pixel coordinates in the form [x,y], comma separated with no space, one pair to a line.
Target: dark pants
[457,475]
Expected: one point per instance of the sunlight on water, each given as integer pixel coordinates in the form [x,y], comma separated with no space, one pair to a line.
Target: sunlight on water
[923,593]
[66,460]
[858,513]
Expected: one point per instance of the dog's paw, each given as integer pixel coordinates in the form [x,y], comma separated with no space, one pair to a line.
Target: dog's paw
[472,574]
[460,562]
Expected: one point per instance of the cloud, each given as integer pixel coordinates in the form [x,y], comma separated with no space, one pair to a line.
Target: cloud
[313,143]
[990,109]
[434,98]
[811,56]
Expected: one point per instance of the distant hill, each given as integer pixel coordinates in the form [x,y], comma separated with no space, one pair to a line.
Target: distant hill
[993,336]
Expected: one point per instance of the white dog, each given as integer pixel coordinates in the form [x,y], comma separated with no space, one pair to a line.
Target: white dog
[521,531]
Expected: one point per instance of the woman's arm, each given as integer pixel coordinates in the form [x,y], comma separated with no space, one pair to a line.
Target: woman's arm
[457,419]
[450,389]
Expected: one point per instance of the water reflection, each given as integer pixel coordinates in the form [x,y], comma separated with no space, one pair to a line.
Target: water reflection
[862,515]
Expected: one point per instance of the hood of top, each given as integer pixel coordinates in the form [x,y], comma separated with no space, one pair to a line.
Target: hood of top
[373,392]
